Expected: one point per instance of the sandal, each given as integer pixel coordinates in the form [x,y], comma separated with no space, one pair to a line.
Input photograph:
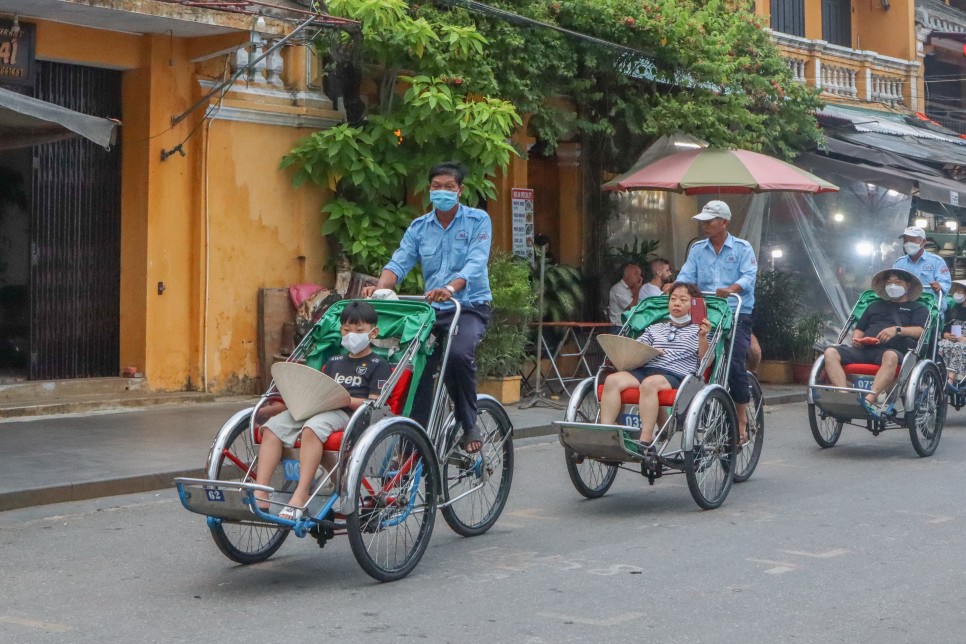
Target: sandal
[291,514]
[471,436]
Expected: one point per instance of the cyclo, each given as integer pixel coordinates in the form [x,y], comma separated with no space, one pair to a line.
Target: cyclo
[916,400]
[700,435]
[390,475]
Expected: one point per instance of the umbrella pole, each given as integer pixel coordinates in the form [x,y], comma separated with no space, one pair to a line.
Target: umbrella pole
[538,396]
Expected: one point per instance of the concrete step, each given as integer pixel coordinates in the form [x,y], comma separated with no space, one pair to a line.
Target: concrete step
[36,391]
[79,404]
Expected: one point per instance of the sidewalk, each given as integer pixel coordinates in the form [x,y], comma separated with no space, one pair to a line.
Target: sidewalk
[53,459]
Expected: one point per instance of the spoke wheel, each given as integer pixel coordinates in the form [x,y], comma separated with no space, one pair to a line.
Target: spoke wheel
[242,542]
[750,452]
[925,420]
[395,503]
[710,463]
[826,430]
[591,478]
[484,477]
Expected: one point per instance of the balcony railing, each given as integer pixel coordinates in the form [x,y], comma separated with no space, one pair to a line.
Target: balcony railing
[937,16]
[851,74]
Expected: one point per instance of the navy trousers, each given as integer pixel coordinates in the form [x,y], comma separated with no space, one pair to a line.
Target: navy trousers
[738,383]
[460,379]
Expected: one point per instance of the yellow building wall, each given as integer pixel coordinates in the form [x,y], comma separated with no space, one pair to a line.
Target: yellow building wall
[227,196]
[890,32]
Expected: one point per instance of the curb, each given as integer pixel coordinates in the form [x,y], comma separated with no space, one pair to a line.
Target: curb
[17,499]
[74,407]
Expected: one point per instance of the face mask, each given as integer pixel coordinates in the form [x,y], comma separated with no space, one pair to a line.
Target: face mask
[443,199]
[895,291]
[911,248]
[355,342]
[684,319]
[959,298]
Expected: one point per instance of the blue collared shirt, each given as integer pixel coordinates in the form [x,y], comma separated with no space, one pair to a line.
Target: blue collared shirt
[735,264]
[928,268]
[460,250]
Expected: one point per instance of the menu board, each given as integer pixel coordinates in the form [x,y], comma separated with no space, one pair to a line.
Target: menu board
[522,223]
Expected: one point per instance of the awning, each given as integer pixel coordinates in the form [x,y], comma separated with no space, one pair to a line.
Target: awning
[877,156]
[26,121]
[931,188]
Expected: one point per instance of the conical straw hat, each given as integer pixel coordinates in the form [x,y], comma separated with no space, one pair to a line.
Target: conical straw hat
[307,391]
[626,353]
[879,280]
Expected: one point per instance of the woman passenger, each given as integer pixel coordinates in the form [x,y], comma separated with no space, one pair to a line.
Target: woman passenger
[680,343]
[952,347]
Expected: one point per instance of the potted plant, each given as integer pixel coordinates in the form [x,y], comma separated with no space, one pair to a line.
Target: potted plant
[777,297]
[803,347]
[503,348]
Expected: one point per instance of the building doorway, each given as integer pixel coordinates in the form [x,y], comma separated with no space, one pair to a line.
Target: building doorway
[61,243]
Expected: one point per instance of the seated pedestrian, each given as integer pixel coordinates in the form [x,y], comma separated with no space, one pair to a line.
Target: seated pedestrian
[660,275]
[895,322]
[952,347]
[680,343]
[626,293]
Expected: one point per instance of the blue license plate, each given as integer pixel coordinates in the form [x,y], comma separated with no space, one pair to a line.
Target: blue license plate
[291,469]
[215,495]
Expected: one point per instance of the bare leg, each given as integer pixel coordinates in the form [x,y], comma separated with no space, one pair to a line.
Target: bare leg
[833,368]
[310,457]
[885,376]
[742,410]
[754,355]
[610,399]
[269,456]
[649,406]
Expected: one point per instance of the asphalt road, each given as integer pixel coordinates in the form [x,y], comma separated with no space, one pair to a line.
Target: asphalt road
[860,543]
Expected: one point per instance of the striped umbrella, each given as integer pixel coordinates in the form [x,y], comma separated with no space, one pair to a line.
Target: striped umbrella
[711,170]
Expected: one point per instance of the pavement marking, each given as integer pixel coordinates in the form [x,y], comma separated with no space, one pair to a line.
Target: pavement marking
[818,555]
[933,518]
[530,513]
[33,623]
[780,567]
[782,463]
[613,621]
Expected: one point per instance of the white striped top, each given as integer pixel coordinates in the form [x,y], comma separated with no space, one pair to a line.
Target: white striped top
[680,353]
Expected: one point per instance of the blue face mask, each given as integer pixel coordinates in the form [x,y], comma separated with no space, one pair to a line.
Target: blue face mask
[443,199]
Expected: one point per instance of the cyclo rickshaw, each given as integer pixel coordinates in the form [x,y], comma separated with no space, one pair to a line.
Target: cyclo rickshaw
[700,435]
[916,400]
[390,474]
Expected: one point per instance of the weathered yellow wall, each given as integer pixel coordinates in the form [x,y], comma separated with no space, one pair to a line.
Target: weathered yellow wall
[84,46]
[890,32]
[263,233]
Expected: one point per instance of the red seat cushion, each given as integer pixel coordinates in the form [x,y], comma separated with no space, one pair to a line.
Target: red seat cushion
[331,443]
[397,399]
[864,369]
[632,396]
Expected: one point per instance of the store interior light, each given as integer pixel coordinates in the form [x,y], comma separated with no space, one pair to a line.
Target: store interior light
[922,222]
[776,253]
[838,218]
[864,248]
[952,225]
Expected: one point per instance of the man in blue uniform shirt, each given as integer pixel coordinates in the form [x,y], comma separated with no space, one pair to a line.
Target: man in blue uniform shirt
[452,244]
[725,265]
[930,269]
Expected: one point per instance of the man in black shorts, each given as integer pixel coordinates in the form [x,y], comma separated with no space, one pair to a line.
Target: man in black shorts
[896,322]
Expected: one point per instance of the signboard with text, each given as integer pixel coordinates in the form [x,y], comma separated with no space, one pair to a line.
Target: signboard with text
[17,53]
[522,212]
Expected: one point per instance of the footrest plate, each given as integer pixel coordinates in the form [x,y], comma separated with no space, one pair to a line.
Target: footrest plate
[604,442]
[221,499]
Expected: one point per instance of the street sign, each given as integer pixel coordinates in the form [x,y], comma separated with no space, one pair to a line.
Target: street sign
[17,53]
[522,211]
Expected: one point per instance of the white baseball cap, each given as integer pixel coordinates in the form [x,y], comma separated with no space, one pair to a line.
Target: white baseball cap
[914,231]
[715,210]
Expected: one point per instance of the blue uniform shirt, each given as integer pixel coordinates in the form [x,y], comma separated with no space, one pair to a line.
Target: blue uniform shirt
[735,264]
[461,250]
[928,268]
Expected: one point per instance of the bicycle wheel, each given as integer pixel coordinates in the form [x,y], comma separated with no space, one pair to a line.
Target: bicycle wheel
[925,420]
[710,464]
[480,482]
[825,429]
[750,452]
[395,503]
[242,542]
[591,478]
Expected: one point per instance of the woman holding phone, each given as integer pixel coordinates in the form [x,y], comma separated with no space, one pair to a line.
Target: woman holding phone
[681,343]
[952,347]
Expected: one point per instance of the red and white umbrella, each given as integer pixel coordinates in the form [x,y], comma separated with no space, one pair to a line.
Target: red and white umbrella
[713,170]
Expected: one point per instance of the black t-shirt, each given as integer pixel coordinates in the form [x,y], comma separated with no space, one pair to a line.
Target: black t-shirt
[955,314]
[362,377]
[883,314]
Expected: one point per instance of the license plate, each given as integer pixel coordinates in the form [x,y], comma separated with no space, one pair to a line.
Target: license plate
[215,495]
[864,383]
[291,469]
[630,420]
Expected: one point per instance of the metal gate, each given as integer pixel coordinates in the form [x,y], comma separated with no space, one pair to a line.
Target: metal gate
[75,235]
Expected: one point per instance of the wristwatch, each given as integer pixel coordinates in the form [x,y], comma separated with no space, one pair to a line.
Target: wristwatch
[452,291]
[898,330]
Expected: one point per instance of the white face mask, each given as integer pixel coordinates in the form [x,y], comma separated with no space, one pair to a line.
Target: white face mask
[895,291]
[911,248]
[959,298]
[684,319]
[355,342]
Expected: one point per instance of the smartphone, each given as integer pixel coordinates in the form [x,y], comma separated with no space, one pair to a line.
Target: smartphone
[698,310]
